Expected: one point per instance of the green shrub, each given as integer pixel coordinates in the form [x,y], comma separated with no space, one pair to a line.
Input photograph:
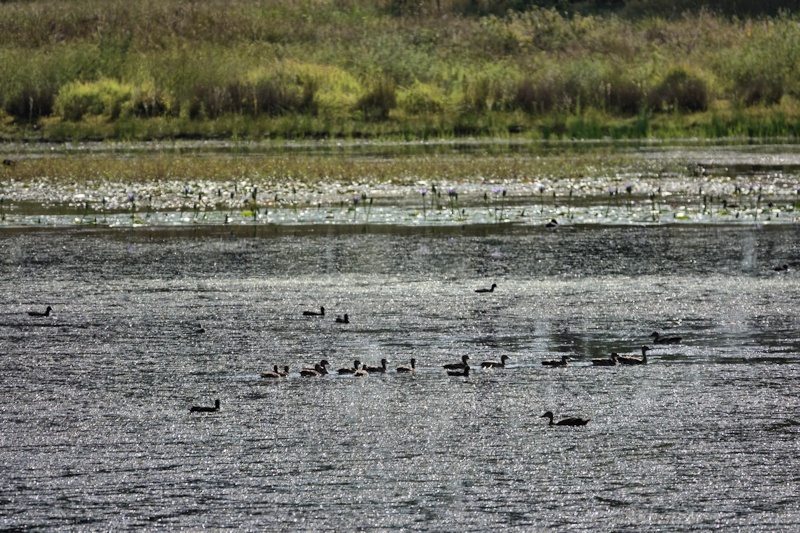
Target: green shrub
[148,100]
[106,98]
[680,90]
[378,101]
[421,98]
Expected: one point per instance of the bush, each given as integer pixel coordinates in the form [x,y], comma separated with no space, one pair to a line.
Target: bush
[149,101]
[105,98]
[421,98]
[679,91]
[30,102]
[378,101]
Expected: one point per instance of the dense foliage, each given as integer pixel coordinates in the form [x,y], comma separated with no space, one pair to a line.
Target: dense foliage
[407,68]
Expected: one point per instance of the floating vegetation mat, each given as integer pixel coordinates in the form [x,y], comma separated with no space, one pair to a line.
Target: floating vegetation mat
[382,184]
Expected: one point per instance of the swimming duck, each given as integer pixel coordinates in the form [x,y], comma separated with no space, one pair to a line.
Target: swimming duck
[458,366]
[625,360]
[564,361]
[274,373]
[320,369]
[606,361]
[572,421]
[491,289]
[496,364]
[205,409]
[381,368]
[459,373]
[552,224]
[658,339]
[39,313]
[352,370]
[314,313]
[412,367]
[343,320]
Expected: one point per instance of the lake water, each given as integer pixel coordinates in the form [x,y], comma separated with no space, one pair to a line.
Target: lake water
[97,433]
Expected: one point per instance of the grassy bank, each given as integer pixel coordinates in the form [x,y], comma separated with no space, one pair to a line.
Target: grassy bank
[356,69]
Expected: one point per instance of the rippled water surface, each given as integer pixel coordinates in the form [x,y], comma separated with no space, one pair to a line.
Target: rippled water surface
[97,432]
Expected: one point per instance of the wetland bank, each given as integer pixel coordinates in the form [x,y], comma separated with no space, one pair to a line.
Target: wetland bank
[156,310]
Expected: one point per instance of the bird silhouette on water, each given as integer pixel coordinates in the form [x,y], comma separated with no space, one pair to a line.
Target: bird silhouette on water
[572,421]
[205,408]
[41,314]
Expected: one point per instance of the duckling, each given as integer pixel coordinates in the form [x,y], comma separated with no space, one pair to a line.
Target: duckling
[606,361]
[314,313]
[658,339]
[343,319]
[625,360]
[496,364]
[205,409]
[458,366]
[352,370]
[564,361]
[381,368]
[459,373]
[572,421]
[40,314]
[491,289]
[412,367]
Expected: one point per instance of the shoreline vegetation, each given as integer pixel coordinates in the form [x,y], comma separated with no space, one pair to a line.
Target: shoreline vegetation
[94,70]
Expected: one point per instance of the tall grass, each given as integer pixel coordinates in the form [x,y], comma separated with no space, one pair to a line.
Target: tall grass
[351,68]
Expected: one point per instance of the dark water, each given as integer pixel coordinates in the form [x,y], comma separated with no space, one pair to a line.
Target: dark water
[96,432]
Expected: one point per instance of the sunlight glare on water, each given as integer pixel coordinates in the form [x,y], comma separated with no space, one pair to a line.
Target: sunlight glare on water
[98,435]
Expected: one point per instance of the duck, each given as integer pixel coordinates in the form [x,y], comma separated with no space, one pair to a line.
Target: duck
[314,313]
[412,367]
[458,366]
[496,364]
[352,370]
[343,319]
[625,360]
[39,313]
[572,421]
[781,268]
[459,373]
[564,361]
[490,289]
[320,369]
[658,339]
[205,408]
[552,224]
[274,373]
[381,368]
[606,361]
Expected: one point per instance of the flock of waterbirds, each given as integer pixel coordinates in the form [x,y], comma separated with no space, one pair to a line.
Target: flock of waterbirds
[457,369]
